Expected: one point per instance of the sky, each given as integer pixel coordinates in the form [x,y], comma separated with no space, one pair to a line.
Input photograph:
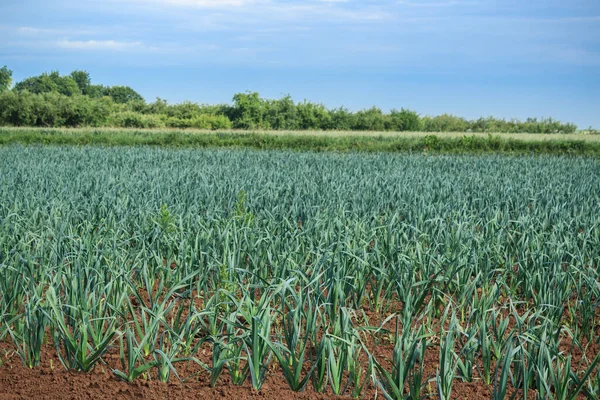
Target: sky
[509,58]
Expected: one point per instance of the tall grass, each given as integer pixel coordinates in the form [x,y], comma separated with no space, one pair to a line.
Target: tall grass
[429,143]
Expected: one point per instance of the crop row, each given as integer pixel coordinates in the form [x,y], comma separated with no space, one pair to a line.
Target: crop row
[347,274]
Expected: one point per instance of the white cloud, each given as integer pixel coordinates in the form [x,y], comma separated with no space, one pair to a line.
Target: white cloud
[38,31]
[442,3]
[255,12]
[201,3]
[98,45]
[27,30]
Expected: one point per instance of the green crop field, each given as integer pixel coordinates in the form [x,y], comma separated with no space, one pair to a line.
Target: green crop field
[399,275]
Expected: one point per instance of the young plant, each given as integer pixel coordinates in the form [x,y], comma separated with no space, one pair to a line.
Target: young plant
[447,368]
[291,356]
[84,343]
[337,361]
[319,360]
[258,350]
[358,377]
[28,332]
[407,366]
[503,372]
[134,365]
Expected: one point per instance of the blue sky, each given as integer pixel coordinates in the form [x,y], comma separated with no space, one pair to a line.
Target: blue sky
[510,58]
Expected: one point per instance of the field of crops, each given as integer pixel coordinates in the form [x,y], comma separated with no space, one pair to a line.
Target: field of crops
[227,272]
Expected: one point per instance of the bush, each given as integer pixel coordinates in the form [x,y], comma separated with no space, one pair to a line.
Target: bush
[130,119]
[249,111]
[211,122]
[369,120]
[341,119]
[49,83]
[403,120]
[281,114]
[52,110]
[123,94]
[313,116]
[445,123]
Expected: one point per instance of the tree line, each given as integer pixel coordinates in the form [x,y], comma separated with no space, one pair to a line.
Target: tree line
[54,100]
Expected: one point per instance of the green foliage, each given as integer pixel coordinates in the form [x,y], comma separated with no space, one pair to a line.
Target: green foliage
[445,123]
[83,80]
[203,121]
[403,120]
[52,110]
[437,144]
[311,116]
[123,94]
[131,119]
[5,79]
[280,114]
[160,106]
[342,119]
[369,120]
[249,111]
[165,220]
[49,83]
[95,91]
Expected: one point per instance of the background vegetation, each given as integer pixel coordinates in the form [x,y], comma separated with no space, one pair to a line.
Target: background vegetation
[52,100]
[447,143]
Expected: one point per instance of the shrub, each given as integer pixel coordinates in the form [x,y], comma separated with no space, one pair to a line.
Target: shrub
[313,116]
[445,123]
[403,120]
[369,120]
[130,119]
[52,110]
[341,119]
[200,122]
[123,94]
[49,83]
[281,114]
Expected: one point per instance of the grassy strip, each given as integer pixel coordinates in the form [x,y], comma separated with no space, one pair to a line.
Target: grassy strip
[429,143]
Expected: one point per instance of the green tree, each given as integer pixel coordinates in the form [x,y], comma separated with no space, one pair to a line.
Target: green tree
[403,120]
[123,94]
[48,83]
[158,107]
[248,111]
[96,91]
[281,114]
[369,120]
[341,119]
[83,80]
[5,78]
[37,84]
[313,116]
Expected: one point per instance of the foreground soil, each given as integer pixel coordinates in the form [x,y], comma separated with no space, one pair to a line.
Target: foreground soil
[51,381]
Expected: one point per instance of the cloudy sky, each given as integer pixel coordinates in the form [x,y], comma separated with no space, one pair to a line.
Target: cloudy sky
[509,58]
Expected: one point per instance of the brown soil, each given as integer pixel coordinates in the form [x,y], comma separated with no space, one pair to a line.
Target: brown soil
[50,380]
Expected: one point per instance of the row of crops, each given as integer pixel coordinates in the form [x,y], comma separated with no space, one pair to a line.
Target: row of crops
[347,274]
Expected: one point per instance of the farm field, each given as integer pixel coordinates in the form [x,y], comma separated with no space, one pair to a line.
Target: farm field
[236,273]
